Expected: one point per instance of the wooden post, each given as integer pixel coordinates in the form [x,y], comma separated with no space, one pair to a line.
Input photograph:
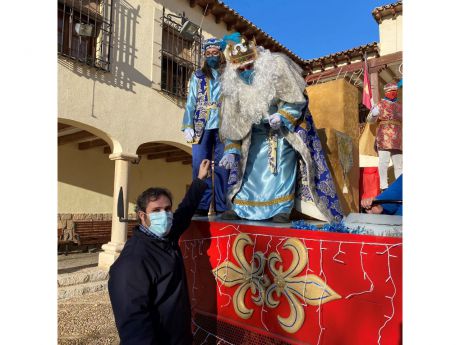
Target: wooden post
[375,86]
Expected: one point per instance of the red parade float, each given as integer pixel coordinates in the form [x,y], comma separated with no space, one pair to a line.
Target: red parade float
[259,283]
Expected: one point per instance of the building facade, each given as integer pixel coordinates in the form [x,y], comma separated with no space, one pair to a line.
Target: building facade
[123,69]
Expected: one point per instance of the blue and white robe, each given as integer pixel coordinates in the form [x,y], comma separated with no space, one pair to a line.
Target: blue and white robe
[280,169]
[202,113]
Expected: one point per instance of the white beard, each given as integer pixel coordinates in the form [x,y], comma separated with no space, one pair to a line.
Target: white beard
[275,76]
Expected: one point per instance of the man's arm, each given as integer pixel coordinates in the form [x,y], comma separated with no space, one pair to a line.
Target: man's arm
[129,287]
[188,206]
[374,113]
[393,192]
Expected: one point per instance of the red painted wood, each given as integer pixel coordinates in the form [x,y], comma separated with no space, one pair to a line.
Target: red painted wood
[355,320]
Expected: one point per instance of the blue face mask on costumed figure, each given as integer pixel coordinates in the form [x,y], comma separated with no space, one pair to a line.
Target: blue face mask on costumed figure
[160,223]
[213,61]
[247,76]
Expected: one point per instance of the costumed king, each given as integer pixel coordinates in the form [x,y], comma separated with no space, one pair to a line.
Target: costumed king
[388,113]
[271,145]
[202,120]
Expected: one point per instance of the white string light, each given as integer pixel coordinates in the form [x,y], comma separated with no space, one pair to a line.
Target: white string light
[185,251]
[200,248]
[262,311]
[270,238]
[366,276]
[318,310]
[198,327]
[391,298]
[284,238]
[279,243]
[389,247]
[305,278]
[205,339]
[219,287]
[194,274]
[338,74]
[339,252]
[358,79]
[236,228]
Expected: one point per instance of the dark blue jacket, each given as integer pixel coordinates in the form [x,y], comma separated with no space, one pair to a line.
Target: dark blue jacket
[148,285]
[393,192]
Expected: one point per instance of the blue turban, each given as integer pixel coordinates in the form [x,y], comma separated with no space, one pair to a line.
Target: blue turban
[214,42]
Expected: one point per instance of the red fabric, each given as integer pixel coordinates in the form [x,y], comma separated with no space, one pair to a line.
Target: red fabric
[389,132]
[367,91]
[369,182]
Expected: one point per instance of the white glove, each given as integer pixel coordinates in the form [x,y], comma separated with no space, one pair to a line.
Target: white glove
[275,121]
[188,134]
[373,114]
[375,110]
[227,161]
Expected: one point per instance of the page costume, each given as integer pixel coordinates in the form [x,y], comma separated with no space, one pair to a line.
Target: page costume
[388,114]
[276,169]
[202,114]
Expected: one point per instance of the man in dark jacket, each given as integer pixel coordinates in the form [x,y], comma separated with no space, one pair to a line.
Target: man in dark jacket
[147,285]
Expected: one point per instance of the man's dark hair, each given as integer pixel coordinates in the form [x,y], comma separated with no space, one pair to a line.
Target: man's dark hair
[207,70]
[151,194]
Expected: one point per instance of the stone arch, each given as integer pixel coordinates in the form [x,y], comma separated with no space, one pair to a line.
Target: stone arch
[115,145]
[161,164]
[85,178]
[170,151]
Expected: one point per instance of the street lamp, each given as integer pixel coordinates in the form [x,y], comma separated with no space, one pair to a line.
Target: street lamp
[83,29]
[188,28]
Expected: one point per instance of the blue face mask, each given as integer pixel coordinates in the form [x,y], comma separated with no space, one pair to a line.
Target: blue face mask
[160,223]
[247,76]
[213,61]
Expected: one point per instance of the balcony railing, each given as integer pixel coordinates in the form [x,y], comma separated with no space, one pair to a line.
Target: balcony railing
[85,31]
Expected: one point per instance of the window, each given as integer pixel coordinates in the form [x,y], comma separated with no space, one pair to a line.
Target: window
[84,32]
[179,58]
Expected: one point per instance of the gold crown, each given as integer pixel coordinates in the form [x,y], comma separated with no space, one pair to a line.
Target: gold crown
[242,53]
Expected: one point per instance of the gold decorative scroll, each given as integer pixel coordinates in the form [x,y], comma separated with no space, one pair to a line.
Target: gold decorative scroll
[309,289]
[247,276]
[298,289]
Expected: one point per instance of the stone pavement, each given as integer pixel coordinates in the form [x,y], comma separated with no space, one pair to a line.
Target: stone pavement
[84,317]
[76,261]
[87,319]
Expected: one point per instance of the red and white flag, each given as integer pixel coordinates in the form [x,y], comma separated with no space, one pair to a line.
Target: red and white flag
[367,91]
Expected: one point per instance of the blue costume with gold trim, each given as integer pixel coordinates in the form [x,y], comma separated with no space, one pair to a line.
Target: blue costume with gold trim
[202,113]
[276,169]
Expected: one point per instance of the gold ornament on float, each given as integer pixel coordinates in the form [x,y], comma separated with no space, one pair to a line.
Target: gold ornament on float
[246,276]
[298,290]
[309,288]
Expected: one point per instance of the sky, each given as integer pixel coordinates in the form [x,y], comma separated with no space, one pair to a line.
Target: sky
[312,29]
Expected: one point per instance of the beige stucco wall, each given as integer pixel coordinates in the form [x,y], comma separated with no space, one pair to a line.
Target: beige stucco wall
[334,105]
[390,32]
[158,173]
[125,103]
[85,180]
[124,107]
